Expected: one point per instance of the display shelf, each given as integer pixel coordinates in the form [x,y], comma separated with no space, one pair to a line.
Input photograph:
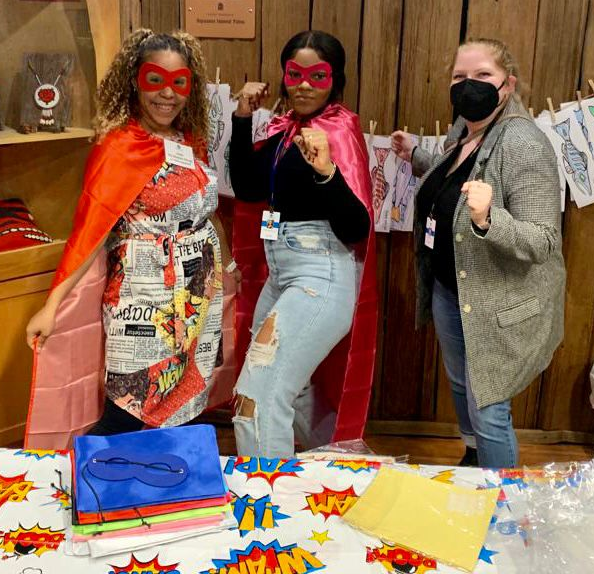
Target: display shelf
[10,136]
[30,260]
[47,175]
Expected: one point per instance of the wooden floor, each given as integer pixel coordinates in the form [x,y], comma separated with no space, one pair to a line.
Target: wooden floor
[430,450]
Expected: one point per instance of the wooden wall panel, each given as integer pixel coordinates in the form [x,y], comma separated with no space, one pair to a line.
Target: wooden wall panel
[342,18]
[281,19]
[431,34]
[236,58]
[588,52]
[564,397]
[559,43]
[130,17]
[161,15]
[564,402]
[380,53]
[491,19]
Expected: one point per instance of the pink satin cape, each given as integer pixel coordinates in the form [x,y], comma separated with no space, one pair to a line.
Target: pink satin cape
[346,375]
[66,388]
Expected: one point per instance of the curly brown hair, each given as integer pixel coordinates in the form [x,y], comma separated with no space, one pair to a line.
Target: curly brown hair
[117,95]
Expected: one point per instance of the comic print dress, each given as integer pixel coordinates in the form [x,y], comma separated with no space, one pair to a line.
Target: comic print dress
[162,307]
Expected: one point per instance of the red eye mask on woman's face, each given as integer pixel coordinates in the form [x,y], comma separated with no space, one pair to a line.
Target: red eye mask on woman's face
[153,78]
[317,76]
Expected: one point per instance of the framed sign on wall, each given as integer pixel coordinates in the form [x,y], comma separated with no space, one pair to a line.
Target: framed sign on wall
[221,19]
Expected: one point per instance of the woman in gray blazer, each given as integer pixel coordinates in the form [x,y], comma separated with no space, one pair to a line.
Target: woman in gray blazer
[488,249]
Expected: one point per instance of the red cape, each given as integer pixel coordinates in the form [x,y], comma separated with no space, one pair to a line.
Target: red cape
[67,374]
[116,172]
[346,375]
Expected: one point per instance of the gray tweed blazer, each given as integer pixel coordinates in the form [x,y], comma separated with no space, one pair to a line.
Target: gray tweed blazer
[511,282]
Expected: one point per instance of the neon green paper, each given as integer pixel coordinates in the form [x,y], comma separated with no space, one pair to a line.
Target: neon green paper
[90,529]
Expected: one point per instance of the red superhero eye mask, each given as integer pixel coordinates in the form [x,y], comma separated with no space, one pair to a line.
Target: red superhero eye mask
[153,78]
[317,76]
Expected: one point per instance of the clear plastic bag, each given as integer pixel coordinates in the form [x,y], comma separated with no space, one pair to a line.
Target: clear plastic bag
[553,510]
[349,449]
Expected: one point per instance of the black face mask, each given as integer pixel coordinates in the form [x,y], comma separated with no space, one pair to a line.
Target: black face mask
[474,100]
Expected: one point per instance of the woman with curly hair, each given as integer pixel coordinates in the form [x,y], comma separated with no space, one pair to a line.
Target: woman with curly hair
[148,199]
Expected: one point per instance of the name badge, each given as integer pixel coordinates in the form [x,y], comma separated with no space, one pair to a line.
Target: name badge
[179,154]
[430,232]
[270,225]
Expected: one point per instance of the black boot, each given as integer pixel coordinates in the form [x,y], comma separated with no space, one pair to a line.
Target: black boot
[470,458]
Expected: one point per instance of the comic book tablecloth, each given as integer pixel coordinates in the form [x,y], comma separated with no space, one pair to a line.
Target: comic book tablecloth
[288,511]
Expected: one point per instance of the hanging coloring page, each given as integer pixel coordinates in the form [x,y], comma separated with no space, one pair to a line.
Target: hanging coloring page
[433,145]
[544,123]
[402,212]
[221,107]
[573,154]
[260,120]
[382,168]
[588,114]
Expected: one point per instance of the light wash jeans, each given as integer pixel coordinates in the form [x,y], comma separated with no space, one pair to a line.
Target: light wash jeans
[489,429]
[310,295]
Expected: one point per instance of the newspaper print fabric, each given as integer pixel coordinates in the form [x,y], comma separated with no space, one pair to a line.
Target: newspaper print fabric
[162,306]
[289,515]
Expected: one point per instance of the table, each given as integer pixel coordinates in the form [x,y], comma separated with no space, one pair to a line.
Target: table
[289,511]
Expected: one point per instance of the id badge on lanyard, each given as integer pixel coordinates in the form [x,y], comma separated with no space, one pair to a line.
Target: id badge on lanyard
[430,232]
[178,154]
[269,226]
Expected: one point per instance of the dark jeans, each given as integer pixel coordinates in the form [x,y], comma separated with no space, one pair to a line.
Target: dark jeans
[489,429]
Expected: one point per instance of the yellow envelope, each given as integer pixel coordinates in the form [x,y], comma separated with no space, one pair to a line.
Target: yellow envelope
[444,521]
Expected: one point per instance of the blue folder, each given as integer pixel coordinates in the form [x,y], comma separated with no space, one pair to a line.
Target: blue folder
[148,467]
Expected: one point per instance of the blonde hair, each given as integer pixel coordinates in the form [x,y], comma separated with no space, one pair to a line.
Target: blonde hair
[117,95]
[501,54]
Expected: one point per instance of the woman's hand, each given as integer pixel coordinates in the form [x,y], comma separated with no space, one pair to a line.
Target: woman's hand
[40,327]
[237,277]
[315,149]
[403,145]
[479,200]
[250,98]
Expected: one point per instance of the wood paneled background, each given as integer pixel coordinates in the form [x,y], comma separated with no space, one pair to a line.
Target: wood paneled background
[398,53]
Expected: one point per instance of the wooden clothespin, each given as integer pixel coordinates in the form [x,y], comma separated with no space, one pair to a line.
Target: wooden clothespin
[372,126]
[276,105]
[421,134]
[579,98]
[437,130]
[449,127]
[551,110]
[591,84]
[531,112]
[218,78]
[405,130]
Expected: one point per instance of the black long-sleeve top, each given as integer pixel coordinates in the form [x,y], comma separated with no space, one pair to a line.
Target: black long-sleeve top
[297,196]
[438,197]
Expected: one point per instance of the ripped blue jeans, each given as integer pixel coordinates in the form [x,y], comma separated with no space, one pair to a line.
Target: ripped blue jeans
[305,308]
